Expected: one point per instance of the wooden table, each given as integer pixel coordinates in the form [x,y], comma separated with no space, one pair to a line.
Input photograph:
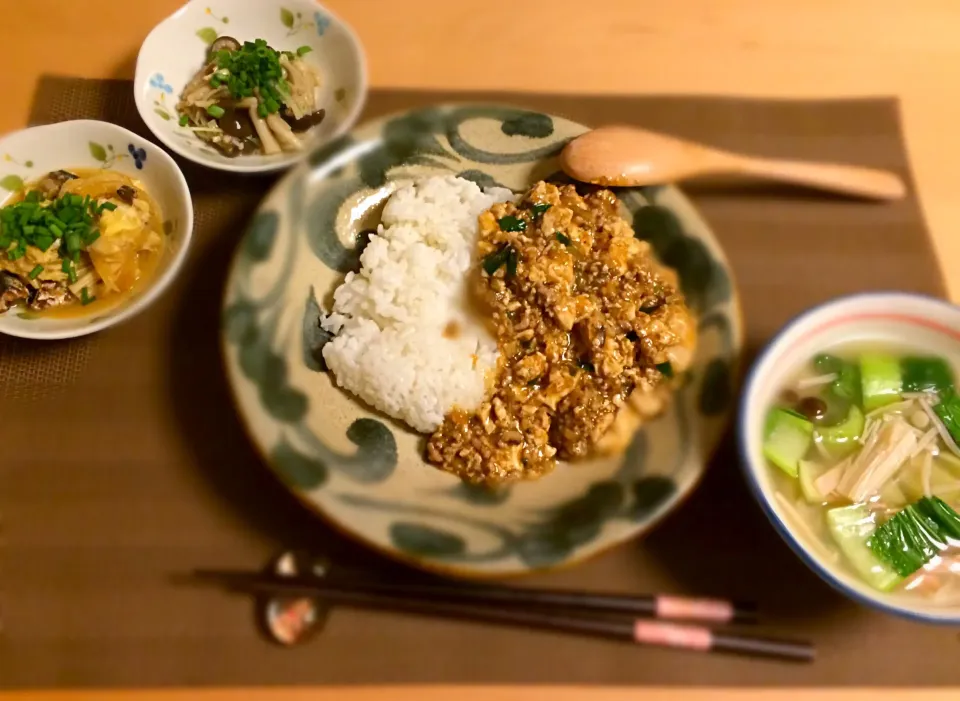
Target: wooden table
[765,48]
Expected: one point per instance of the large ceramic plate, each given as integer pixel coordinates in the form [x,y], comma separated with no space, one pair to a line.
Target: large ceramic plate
[363,472]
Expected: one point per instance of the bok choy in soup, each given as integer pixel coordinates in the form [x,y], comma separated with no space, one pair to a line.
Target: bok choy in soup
[864,451]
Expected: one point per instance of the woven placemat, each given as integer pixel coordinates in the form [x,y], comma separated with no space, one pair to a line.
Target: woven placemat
[124,464]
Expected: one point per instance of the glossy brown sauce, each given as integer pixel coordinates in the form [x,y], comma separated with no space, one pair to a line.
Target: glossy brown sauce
[584,318]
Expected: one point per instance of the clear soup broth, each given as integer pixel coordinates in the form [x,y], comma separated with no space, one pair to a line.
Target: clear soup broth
[862,444]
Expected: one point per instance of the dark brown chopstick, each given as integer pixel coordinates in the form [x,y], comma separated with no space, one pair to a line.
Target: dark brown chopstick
[639,631]
[664,607]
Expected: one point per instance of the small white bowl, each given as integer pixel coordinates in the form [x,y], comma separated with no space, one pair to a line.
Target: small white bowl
[30,153]
[177,48]
[906,320]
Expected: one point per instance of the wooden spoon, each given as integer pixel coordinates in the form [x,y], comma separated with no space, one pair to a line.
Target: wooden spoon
[629,157]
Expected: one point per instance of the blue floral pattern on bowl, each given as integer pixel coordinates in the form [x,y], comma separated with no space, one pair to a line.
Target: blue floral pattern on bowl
[321,22]
[157,81]
[138,155]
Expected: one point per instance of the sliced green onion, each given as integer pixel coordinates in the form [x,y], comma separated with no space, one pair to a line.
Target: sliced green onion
[511,223]
[498,258]
[304,50]
[539,209]
[262,110]
[565,240]
[86,297]
[108,206]
[35,272]
[184,120]
[666,369]
[215,111]
[512,263]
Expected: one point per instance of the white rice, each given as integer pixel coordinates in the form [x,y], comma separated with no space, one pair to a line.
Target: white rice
[390,318]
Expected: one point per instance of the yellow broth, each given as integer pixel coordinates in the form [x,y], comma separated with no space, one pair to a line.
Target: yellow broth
[147,261]
[907,485]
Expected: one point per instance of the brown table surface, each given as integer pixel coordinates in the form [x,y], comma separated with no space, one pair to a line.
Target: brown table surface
[775,48]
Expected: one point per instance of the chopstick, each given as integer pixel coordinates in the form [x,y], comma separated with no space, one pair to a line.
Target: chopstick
[637,631]
[676,608]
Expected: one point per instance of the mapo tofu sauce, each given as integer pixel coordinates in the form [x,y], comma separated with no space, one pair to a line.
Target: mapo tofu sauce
[584,317]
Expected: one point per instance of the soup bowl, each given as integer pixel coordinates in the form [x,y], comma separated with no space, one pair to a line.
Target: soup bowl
[908,322]
[87,144]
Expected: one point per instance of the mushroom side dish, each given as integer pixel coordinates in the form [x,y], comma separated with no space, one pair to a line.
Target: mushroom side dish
[72,239]
[252,99]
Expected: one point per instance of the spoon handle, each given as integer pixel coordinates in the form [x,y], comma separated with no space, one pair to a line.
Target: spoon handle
[870,183]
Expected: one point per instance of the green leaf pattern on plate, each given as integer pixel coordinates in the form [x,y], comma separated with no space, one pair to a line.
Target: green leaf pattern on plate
[11,182]
[314,336]
[426,541]
[207,35]
[98,152]
[456,523]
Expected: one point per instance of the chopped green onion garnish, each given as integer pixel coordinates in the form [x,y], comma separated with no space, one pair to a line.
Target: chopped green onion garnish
[565,240]
[72,275]
[262,110]
[86,297]
[35,272]
[511,223]
[666,369]
[303,50]
[539,209]
[108,206]
[498,258]
[512,263]
[184,120]
[215,111]
[214,82]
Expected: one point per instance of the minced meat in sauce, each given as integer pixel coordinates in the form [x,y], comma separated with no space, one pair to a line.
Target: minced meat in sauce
[583,315]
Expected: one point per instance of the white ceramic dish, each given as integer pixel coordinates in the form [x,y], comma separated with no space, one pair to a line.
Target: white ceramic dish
[177,47]
[927,324]
[30,153]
